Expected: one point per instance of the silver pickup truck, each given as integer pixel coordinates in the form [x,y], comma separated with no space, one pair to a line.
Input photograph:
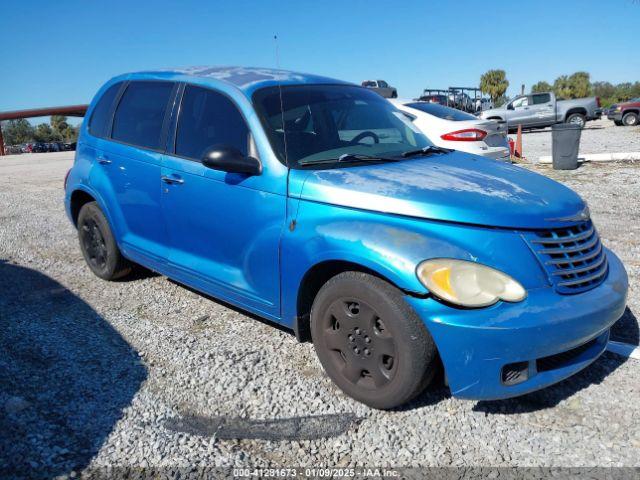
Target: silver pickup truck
[539,110]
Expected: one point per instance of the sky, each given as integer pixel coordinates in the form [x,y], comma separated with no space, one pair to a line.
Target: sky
[61,52]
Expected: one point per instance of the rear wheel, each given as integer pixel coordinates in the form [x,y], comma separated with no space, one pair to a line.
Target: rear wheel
[98,245]
[370,342]
[630,119]
[577,119]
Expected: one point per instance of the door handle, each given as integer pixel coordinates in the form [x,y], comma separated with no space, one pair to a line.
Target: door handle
[172,180]
[104,161]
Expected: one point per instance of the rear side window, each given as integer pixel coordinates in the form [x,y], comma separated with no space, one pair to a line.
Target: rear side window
[140,114]
[208,118]
[541,98]
[101,115]
[441,111]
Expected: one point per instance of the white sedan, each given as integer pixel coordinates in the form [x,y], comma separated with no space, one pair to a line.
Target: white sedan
[451,128]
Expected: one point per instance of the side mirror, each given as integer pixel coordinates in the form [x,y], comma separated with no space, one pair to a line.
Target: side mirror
[510,106]
[229,159]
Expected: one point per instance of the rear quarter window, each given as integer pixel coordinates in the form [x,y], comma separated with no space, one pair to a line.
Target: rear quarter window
[541,98]
[140,114]
[440,111]
[101,116]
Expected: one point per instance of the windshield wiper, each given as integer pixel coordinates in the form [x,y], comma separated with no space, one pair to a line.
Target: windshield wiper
[431,149]
[350,157]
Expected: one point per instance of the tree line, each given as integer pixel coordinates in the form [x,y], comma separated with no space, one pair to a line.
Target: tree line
[577,85]
[16,132]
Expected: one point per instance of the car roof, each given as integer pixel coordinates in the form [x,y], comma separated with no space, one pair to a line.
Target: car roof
[245,79]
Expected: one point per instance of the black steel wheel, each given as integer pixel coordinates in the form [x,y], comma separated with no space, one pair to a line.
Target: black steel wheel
[359,342]
[98,245]
[94,244]
[370,342]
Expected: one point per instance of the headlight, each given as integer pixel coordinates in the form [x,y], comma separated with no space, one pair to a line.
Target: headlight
[467,283]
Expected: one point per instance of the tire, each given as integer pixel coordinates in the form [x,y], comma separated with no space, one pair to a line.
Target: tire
[394,94]
[618,123]
[370,341]
[630,119]
[98,245]
[577,119]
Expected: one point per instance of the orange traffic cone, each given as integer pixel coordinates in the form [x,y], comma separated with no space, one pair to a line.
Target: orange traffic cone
[518,152]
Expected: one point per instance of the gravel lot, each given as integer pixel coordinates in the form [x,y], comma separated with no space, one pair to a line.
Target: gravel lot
[146,372]
[599,136]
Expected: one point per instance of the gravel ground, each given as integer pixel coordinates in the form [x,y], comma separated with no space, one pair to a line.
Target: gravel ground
[146,372]
[599,136]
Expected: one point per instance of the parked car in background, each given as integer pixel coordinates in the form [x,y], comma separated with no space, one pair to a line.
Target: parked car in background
[318,205]
[461,101]
[539,110]
[39,147]
[482,104]
[458,130]
[13,149]
[381,87]
[439,99]
[625,113]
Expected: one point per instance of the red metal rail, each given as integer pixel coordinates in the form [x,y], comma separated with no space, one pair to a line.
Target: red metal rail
[69,111]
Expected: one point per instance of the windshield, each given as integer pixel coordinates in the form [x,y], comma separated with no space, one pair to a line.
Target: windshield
[441,111]
[325,122]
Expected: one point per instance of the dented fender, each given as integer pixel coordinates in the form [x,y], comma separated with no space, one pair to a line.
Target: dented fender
[392,246]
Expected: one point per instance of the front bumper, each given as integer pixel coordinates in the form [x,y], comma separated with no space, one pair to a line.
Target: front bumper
[476,344]
[615,116]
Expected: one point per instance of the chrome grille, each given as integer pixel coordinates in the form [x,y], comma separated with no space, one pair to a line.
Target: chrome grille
[572,257]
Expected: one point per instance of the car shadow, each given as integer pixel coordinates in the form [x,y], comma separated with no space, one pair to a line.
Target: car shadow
[624,330]
[235,308]
[65,377]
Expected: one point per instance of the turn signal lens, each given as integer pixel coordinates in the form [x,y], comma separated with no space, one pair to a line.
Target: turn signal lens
[468,284]
[467,135]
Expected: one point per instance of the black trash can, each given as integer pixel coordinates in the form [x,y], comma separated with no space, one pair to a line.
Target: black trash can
[565,139]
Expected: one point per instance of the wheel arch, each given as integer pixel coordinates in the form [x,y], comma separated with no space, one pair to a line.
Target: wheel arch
[571,111]
[82,194]
[313,280]
[78,199]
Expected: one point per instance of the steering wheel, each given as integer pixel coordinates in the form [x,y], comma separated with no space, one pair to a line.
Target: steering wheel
[365,134]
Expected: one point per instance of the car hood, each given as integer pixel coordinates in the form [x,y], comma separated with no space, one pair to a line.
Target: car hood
[454,187]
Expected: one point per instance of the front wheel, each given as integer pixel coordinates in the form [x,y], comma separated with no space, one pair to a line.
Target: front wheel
[98,244]
[630,119]
[577,119]
[370,341]
[618,123]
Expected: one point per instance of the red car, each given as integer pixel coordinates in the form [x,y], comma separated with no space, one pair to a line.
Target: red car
[627,113]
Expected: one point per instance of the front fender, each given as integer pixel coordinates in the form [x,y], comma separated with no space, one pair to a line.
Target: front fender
[393,246]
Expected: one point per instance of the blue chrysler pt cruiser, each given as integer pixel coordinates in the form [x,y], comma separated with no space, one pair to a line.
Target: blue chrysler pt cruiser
[316,204]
